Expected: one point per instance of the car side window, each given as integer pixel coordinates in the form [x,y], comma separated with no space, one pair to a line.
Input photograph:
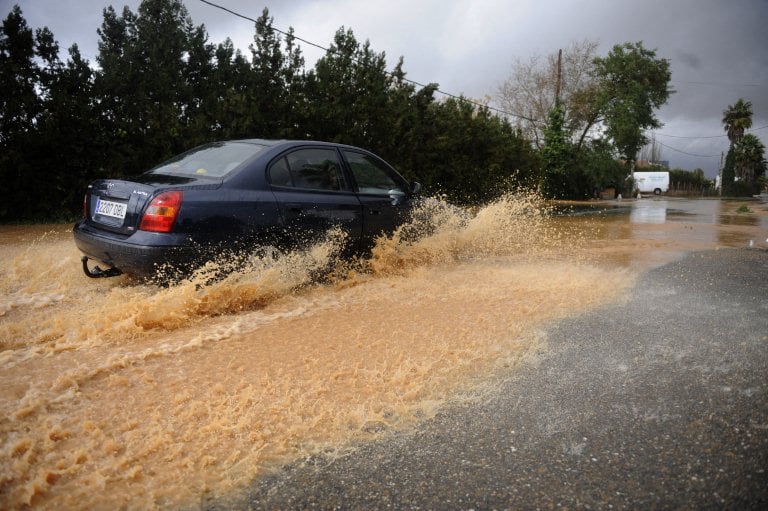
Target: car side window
[279,174]
[373,175]
[315,169]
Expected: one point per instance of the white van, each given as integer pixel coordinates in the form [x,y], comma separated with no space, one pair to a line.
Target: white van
[655,182]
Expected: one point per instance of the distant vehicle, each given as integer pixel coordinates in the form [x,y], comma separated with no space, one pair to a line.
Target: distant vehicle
[652,182]
[238,196]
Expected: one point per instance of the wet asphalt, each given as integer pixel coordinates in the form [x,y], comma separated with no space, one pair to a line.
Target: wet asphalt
[657,403]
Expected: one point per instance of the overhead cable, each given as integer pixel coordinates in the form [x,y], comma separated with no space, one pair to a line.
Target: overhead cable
[689,154]
[711,136]
[413,82]
[448,94]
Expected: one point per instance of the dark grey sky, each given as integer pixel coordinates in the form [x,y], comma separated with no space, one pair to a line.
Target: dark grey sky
[718,49]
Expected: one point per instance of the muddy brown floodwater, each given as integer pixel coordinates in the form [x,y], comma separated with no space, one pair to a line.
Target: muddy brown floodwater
[116,394]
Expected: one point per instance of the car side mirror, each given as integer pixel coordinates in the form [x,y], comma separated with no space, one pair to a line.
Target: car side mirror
[416,188]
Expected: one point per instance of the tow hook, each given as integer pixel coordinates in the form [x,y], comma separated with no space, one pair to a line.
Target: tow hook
[98,273]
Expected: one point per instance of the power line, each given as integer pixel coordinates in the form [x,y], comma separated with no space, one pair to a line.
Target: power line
[230,11]
[719,84]
[413,82]
[462,98]
[712,136]
[688,154]
[680,136]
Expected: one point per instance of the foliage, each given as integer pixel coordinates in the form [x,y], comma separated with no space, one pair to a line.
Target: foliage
[686,178]
[633,82]
[473,153]
[555,155]
[47,116]
[728,177]
[750,161]
[599,168]
[744,189]
[745,164]
[581,174]
[618,92]
[529,93]
[737,118]
[692,182]
[141,89]
[161,87]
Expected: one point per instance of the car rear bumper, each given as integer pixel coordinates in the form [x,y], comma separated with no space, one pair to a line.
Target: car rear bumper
[141,255]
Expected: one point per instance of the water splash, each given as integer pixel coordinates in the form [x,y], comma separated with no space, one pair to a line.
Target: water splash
[118,393]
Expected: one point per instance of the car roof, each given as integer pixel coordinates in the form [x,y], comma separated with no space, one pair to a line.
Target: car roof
[290,142]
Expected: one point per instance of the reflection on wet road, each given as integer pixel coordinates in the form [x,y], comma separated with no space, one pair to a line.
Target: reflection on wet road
[121,394]
[656,230]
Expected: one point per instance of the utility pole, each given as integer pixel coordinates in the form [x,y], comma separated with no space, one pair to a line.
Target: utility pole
[720,174]
[557,79]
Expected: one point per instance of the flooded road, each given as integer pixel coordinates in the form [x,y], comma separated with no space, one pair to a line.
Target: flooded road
[117,394]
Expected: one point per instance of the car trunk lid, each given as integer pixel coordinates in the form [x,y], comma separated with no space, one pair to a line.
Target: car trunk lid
[117,205]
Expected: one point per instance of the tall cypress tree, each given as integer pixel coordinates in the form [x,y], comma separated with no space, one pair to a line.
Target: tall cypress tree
[348,92]
[71,143]
[19,109]
[142,85]
[276,81]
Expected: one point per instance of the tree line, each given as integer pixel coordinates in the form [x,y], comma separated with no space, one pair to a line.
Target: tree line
[159,87]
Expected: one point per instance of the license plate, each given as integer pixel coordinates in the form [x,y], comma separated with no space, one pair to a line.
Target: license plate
[110,208]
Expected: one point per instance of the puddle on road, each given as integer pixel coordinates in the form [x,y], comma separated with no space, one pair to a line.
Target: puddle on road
[117,394]
[653,231]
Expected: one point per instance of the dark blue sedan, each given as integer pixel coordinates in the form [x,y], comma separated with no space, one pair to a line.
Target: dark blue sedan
[238,196]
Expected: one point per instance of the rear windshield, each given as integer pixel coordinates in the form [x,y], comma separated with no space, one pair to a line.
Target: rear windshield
[210,160]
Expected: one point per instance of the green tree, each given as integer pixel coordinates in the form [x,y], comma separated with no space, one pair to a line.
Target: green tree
[198,117]
[689,181]
[633,83]
[469,154]
[231,102]
[142,88]
[452,146]
[277,77]
[737,118]
[596,169]
[70,147]
[48,137]
[728,176]
[348,92]
[160,86]
[409,145]
[113,87]
[19,104]
[750,158]
[19,109]
[555,155]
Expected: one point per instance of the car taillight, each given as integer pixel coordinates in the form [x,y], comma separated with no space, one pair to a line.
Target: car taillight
[161,212]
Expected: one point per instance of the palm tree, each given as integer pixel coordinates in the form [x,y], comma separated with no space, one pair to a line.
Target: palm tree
[750,158]
[737,118]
